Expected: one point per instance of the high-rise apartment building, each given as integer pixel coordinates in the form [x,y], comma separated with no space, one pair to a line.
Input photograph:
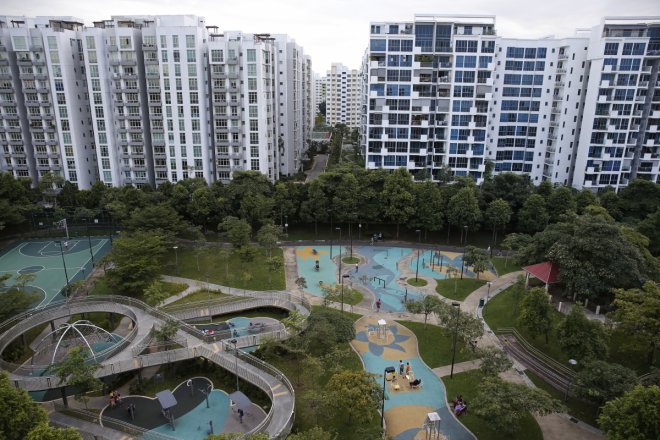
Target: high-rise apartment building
[137,100]
[319,91]
[46,125]
[444,94]
[342,96]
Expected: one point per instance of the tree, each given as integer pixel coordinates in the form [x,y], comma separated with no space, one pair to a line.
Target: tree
[14,301]
[469,328]
[510,187]
[398,197]
[237,231]
[600,381]
[273,264]
[533,217]
[640,198]
[498,214]
[315,433]
[155,293]
[75,371]
[268,236]
[167,330]
[301,282]
[295,322]
[638,313]
[633,416]
[650,227]
[345,200]
[356,394]
[160,217]
[535,310]
[137,260]
[580,338]
[44,431]
[430,304]
[19,414]
[429,207]
[477,258]
[502,404]
[315,208]
[561,203]
[493,361]
[585,198]
[256,209]
[463,210]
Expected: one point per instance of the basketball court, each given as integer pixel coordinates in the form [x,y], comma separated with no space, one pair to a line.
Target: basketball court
[48,260]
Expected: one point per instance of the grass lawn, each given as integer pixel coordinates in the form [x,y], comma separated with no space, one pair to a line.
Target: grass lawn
[435,344]
[200,296]
[227,270]
[580,409]
[458,289]
[504,265]
[467,384]
[350,260]
[101,288]
[419,282]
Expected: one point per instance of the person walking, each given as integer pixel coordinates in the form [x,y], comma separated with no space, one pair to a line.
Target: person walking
[378,303]
[240,415]
[401,367]
[356,267]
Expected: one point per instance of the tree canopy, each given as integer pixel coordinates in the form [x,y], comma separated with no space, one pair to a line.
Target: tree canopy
[633,416]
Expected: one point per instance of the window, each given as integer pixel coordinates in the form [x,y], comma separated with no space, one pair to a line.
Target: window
[377,45]
[251,55]
[217,56]
[190,41]
[191,55]
[611,48]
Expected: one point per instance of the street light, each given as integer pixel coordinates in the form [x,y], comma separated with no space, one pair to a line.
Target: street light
[382,408]
[419,242]
[234,342]
[572,363]
[453,350]
[176,258]
[342,291]
[466,231]
[66,275]
[359,231]
[339,242]
[286,226]
[89,239]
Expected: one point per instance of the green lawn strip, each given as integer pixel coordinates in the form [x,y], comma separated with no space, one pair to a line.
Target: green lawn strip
[232,272]
[435,344]
[419,282]
[350,260]
[352,297]
[505,265]
[467,385]
[200,296]
[458,289]
[101,287]
[262,312]
[173,288]
[580,409]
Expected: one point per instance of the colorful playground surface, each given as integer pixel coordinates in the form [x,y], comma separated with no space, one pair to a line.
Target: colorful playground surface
[382,346]
[380,273]
[53,261]
[194,417]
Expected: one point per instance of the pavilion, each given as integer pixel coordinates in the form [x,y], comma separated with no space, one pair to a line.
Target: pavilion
[548,272]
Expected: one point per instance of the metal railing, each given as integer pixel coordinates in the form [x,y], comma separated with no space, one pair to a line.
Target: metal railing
[534,352]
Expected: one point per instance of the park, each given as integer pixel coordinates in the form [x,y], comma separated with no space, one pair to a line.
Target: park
[304,323]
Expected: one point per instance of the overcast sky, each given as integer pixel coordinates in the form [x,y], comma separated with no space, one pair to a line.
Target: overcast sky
[338,30]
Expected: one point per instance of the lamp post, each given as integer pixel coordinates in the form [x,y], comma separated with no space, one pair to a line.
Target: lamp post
[342,291]
[419,242]
[350,236]
[176,258]
[234,342]
[359,231]
[339,242]
[89,240]
[382,408]
[488,294]
[572,363]
[466,232]
[66,275]
[286,225]
[453,350]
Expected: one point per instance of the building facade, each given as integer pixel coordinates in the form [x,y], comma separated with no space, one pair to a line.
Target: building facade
[143,100]
[342,96]
[443,95]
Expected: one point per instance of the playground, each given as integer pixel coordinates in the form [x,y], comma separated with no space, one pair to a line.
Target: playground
[379,270]
[54,263]
[196,410]
[381,345]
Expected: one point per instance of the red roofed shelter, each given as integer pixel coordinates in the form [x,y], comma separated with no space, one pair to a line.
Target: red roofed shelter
[548,272]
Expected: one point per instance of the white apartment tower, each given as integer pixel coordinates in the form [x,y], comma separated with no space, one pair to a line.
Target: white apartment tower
[243,102]
[46,126]
[294,113]
[443,95]
[620,140]
[319,91]
[342,96]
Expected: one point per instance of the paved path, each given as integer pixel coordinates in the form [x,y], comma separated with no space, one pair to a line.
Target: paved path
[320,162]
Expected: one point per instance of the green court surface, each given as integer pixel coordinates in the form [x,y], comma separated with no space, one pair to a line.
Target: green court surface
[48,260]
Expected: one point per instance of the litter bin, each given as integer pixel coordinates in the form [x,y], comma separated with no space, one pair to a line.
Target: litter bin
[481,302]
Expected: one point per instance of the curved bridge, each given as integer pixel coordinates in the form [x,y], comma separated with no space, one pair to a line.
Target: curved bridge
[215,348]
